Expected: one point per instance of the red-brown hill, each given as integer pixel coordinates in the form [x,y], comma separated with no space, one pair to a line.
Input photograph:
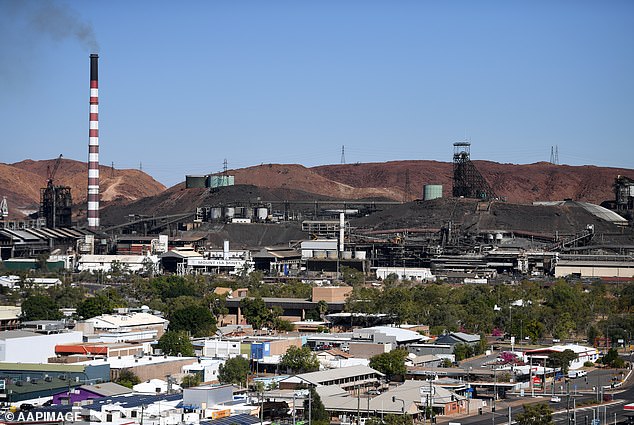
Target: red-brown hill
[21,183]
[517,183]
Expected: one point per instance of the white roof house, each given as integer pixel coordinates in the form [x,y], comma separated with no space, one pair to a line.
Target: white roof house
[584,354]
[104,263]
[344,376]
[117,323]
[154,386]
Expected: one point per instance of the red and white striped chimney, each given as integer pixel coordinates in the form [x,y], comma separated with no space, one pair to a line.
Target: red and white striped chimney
[93,146]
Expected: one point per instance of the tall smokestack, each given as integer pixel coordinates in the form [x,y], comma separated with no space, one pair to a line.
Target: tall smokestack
[93,146]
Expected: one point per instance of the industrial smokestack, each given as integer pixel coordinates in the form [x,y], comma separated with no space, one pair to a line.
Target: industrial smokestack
[93,146]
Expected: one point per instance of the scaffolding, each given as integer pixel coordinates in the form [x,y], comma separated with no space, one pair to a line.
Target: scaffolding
[467,180]
[55,206]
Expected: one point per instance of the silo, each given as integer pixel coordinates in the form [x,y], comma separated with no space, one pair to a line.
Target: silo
[359,255]
[319,253]
[432,191]
[216,213]
[195,181]
[263,213]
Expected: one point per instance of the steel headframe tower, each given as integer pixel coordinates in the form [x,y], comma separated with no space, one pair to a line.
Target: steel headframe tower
[93,146]
[467,180]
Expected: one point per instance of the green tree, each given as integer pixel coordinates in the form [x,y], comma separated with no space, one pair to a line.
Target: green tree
[351,276]
[234,371]
[174,343]
[191,380]
[255,311]
[318,413]
[299,360]
[612,359]
[462,351]
[40,307]
[392,363]
[94,306]
[535,414]
[194,318]
[127,378]
[562,359]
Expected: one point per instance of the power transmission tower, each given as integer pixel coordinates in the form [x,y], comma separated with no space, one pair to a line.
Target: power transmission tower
[224,167]
[552,155]
[112,170]
[556,155]
[343,154]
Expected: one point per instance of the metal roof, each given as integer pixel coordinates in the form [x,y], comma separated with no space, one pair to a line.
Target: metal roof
[242,419]
[132,400]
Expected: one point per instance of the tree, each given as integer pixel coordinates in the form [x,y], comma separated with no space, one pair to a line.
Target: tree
[40,307]
[255,311]
[95,306]
[318,413]
[191,380]
[195,318]
[535,414]
[563,359]
[174,343]
[612,359]
[299,360]
[234,371]
[127,378]
[392,363]
[462,351]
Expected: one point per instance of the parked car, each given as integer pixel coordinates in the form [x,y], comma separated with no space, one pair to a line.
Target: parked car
[555,399]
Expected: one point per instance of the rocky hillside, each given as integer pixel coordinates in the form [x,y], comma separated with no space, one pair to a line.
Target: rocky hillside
[134,192]
[517,183]
[21,183]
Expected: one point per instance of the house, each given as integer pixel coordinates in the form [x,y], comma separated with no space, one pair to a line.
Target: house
[454,338]
[83,393]
[18,345]
[584,354]
[348,378]
[125,323]
[156,386]
[412,397]
[110,263]
[9,317]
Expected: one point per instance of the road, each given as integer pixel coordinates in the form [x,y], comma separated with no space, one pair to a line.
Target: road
[584,415]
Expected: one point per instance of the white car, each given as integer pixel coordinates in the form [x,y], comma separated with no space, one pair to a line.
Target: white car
[555,399]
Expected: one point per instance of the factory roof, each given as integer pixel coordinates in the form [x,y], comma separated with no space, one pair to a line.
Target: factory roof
[115,321]
[401,335]
[322,376]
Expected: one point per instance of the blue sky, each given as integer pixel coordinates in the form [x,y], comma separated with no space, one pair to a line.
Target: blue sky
[186,84]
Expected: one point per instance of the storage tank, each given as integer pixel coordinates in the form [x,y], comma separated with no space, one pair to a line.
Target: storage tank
[319,253]
[346,255]
[262,213]
[432,191]
[359,255]
[230,212]
[195,181]
[332,254]
[215,213]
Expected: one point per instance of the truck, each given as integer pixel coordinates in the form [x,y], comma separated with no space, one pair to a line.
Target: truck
[577,374]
